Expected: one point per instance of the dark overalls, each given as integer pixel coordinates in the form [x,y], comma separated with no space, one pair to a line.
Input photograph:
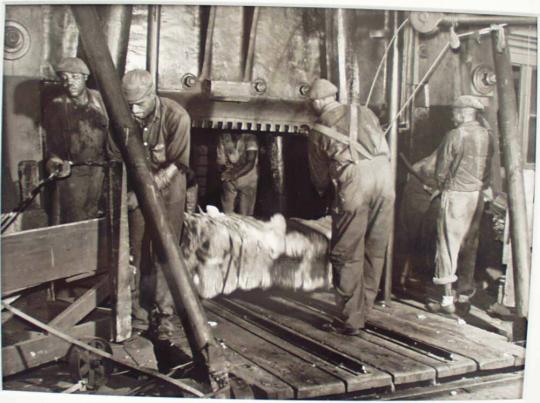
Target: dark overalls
[77,133]
[362,209]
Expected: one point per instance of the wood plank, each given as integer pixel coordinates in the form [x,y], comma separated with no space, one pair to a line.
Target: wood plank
[445,368]
[486,357]
[308,323]
[38,351]
[264,384]
[307,381]
[83,305]
[119,250]
[409,309]
[352,380]
[33,257]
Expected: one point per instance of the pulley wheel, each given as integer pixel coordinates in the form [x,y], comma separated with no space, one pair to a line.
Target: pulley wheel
[424,22]
[89,367]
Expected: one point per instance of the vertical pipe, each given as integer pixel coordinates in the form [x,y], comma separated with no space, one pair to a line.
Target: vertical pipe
[392,140]
[207,58]
[152,42]
[248,69]
[116,23]
[342,56]
[519,234]
[277,164]
[127,135]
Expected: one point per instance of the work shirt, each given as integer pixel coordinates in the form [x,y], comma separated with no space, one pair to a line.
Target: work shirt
[328,158]
[463,158]
[166,135]
[77,133]
[232,152]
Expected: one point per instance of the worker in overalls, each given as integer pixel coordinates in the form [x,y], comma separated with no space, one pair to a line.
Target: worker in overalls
[77,129]
[462,173]
[237,155]
[165,128]
[347,148]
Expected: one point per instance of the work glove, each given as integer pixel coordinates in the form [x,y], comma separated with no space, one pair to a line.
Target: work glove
[59,166]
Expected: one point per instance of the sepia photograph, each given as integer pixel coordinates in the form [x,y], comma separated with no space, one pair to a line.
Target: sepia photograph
[280,202]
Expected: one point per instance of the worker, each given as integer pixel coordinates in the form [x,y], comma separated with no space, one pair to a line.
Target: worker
[462,174]
[77,130]
[237,155]
[165,128]
[348,149]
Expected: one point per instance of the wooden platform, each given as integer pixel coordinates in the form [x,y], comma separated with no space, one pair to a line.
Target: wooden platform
[275,342]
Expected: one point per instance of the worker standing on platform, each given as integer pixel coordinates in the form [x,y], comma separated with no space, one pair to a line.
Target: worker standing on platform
[77,129]
[347,148]
[237,156]
[462,174]
[165,128]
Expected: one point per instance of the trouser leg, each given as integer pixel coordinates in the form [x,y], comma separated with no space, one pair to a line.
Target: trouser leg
[137,248]
[457,210]
[347,257]
[467,259]
[378,231]
[247,197]
[228,197]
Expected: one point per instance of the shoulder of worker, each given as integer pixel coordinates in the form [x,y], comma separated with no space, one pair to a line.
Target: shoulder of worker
[250,140]
[173,108]
[97,100]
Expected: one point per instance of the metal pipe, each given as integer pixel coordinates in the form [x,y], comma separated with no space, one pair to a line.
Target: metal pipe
[342,57]
[393,140]
[464,19]
[248,70]
[207,59]
[513,164]
[152,42]
[116,22]
[128,138]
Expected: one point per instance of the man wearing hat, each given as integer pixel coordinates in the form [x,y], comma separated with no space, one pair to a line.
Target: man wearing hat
[346,147]
[462,173]
[76,126]
[165,128]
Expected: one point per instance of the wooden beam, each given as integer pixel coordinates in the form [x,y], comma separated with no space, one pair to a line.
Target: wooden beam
[34,257]
[81,307]
[38,351]
[120,274]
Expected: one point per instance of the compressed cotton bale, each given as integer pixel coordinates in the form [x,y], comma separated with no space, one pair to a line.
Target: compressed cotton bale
[226,253]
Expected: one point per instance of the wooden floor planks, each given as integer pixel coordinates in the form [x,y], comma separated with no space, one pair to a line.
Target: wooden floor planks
[275,342]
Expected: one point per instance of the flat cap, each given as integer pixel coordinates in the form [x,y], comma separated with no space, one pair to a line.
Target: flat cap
[72,65]
[469,101]
[137,84]
[322,88]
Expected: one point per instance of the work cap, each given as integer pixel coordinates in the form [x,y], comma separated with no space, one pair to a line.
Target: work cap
[137,84]
[322,88]
[72,65]
[469,101]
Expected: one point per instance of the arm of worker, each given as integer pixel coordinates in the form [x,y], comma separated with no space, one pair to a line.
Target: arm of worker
[238,171]
[318,166]
[177,146]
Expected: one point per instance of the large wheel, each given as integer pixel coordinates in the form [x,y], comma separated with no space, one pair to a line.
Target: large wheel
[89,367]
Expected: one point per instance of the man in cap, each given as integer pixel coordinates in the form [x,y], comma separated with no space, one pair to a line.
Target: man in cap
[76,126]
[237,158]
[165,128]
[462,173]
[346,147]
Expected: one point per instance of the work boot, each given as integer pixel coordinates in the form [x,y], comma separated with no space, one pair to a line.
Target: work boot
[463,303]
[162,326]
[446,306]
[340,328]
